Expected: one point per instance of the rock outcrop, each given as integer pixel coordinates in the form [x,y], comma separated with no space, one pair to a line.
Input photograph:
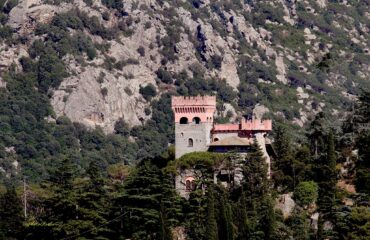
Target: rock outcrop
[212,36]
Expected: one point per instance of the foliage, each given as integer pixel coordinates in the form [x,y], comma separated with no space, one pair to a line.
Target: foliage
[306,193]
[206,160]
[11,219]
[360,221]
[148,91]
[116,4]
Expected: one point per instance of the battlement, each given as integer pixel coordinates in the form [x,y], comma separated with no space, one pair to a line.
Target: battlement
[245,125]
[256,124]
[204,101]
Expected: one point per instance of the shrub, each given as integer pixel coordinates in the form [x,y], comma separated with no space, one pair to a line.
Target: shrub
[104,91]
[147,25]
[122,128]
[147,111]
[106,16]
[164,76]
[216,61]
[116,4]
[306,193]
[148,91]
[141,51]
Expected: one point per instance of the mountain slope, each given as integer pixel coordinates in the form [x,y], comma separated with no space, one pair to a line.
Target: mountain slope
[295,58]
[113,64]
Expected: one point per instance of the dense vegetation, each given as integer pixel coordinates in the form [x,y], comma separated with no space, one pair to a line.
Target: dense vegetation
[118,202]
[85,184]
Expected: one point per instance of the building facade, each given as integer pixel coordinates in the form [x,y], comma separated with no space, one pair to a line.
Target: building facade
[193,123]
[196,131]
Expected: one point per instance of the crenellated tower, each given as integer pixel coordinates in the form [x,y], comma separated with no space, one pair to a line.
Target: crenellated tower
[193,123]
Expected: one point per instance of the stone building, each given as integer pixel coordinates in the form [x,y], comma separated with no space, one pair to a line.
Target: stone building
[196,131]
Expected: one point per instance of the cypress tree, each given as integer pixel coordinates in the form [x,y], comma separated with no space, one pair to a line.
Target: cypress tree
[317,134]
[258,197]
[211,227]
[225,228]
[255,173]
[244,228]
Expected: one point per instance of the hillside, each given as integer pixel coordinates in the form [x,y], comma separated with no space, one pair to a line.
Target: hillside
[295,58]
[87,130]
[112,64]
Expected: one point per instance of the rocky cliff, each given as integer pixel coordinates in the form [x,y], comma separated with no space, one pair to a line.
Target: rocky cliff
[294,58]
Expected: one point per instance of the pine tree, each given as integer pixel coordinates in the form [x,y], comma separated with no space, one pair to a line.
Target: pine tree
[11,219]
[362,179]
[362,126]
[62,207]
[93,205]
[299,224]
[150,202]
[327,181]
[283,168]
[211,227]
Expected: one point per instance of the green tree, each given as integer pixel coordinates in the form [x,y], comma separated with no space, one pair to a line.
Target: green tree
[242,219]
[317,134]
[328,177]
[150,203]
[11,219]
[211,227]
[299,224]
[362,180]
[225,226]
[258,199]
[51,71]
[362,128]
[93,205]
[306,193]
[62,206]
[284,172]
[360,223]
[255,182]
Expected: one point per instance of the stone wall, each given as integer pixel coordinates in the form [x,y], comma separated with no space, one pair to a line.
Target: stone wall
[262,143]
[199,133]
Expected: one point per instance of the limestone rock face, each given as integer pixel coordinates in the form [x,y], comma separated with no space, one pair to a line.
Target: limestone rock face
[81,98]
[179,233]
[286,204]
[206,32]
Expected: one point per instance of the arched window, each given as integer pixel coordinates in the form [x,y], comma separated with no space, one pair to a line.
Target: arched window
[183,120]
[188,185]
[190,142]
[196,120]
